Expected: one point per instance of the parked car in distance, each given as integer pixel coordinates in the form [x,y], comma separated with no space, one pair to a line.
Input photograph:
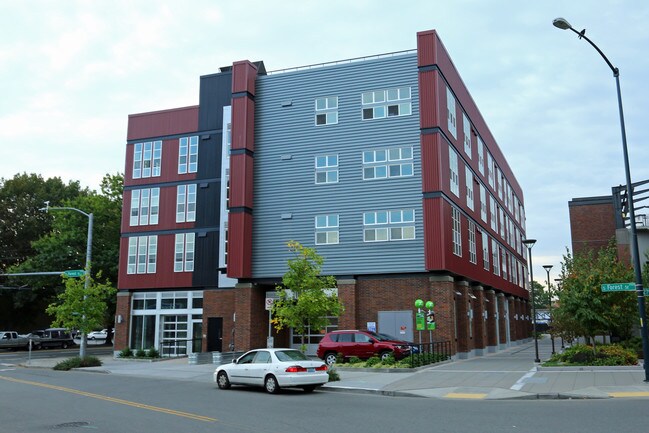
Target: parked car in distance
[11,340]
[362,344]
[273,369]
[53,337]
[98,335]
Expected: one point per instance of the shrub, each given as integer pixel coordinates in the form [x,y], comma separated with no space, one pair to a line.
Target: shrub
[373,361]
[634,344]
[339,358]
[125,353]
[140,353]
[153,353]
[333,375]
[76,362]
[354,360]
[610,354]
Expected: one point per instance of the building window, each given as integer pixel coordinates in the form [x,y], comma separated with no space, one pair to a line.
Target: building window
[188,155]
[493,213]
[483,203]
[450,107]
[378,104]
[186,203]
[394,225]
[485,250]
[480,156]
[142,253]
[326,111]
[457,232]
[490,171]
[469,187]
[504,263]
[147,159]
[326,229]
[184,252]
[495,257]
[387,163]
[453,167]
[499,179]
[473,256]
[326,169]
[501,215]
[145,206]
[466,126]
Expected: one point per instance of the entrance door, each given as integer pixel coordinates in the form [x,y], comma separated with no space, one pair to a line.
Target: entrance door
[214,334]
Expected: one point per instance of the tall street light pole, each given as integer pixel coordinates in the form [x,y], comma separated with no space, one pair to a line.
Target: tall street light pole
[47,208]
[563,24]
[547,269]
[529,243]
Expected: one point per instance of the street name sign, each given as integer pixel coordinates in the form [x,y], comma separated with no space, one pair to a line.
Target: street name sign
[622,287]
[75,273]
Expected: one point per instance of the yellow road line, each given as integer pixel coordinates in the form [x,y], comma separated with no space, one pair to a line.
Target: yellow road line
[464,395]
[114,400]
[629,394]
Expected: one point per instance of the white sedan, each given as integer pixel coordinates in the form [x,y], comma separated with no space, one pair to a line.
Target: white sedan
[99,335]
[273,369]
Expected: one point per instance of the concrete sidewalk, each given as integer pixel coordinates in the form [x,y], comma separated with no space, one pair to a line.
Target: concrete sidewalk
[508,374]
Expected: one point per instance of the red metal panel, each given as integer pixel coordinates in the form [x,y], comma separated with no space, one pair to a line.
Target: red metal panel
[241,181]
[239,245]
[426,46]
[161,123]
[428,99]
[431,162]
[434,235]
[243,123]
[165,277]
[244,75]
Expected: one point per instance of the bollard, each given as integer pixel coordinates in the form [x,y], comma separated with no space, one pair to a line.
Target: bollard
[216,358]
[193,358]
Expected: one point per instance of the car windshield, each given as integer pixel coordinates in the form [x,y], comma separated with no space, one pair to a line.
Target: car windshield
[291,355]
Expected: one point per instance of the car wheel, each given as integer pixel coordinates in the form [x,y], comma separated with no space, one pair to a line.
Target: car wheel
[91,338]
[330,358]
[271,385]
[64,345]
[222,380]
[385,355]
[308,388]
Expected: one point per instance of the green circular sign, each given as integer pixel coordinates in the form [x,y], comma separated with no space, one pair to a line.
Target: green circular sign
[419,303]
[430,304]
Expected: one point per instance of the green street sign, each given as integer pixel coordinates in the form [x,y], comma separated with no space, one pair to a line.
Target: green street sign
[74,273]
[618,287]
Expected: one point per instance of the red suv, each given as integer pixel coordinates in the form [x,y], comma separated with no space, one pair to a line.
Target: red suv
[363,344]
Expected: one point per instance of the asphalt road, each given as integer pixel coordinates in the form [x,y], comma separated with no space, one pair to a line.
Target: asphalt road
[40,400]
[21,356]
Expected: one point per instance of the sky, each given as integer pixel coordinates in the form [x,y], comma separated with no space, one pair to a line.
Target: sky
[72,71]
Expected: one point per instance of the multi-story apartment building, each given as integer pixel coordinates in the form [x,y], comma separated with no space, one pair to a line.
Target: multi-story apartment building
[383,164]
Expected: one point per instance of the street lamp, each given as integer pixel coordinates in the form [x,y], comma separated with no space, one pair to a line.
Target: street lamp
[547,269]
[47,208]
[529,243]
[563,24]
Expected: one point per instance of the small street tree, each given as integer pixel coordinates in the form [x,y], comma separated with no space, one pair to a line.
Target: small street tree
[80,308]
[582,304]
[305,297]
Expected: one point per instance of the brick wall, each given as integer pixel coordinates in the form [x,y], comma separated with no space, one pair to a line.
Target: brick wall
[123,308]
[591,225]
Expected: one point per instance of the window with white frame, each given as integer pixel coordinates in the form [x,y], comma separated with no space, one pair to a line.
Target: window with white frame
[501,180]
[326,110]
[378,104]
[145,206]
[457,232]
[186,203]
[142,254]
[184,252]
[450,108]
[516,209]
[495,257]
[504,263]
[387,163]
[454,171]
[147,159]
[469,187]
[188,155]
[490,171]
[508,196]
[326,169]
[501,219]
[393,225]
[483,202]
[485,250]
[466,126]
[493,213]
[326,229]
[473,255]
[480,156]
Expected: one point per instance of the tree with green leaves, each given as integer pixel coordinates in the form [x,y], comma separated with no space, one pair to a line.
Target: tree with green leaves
[582,304]
[306,298]
[81,308]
